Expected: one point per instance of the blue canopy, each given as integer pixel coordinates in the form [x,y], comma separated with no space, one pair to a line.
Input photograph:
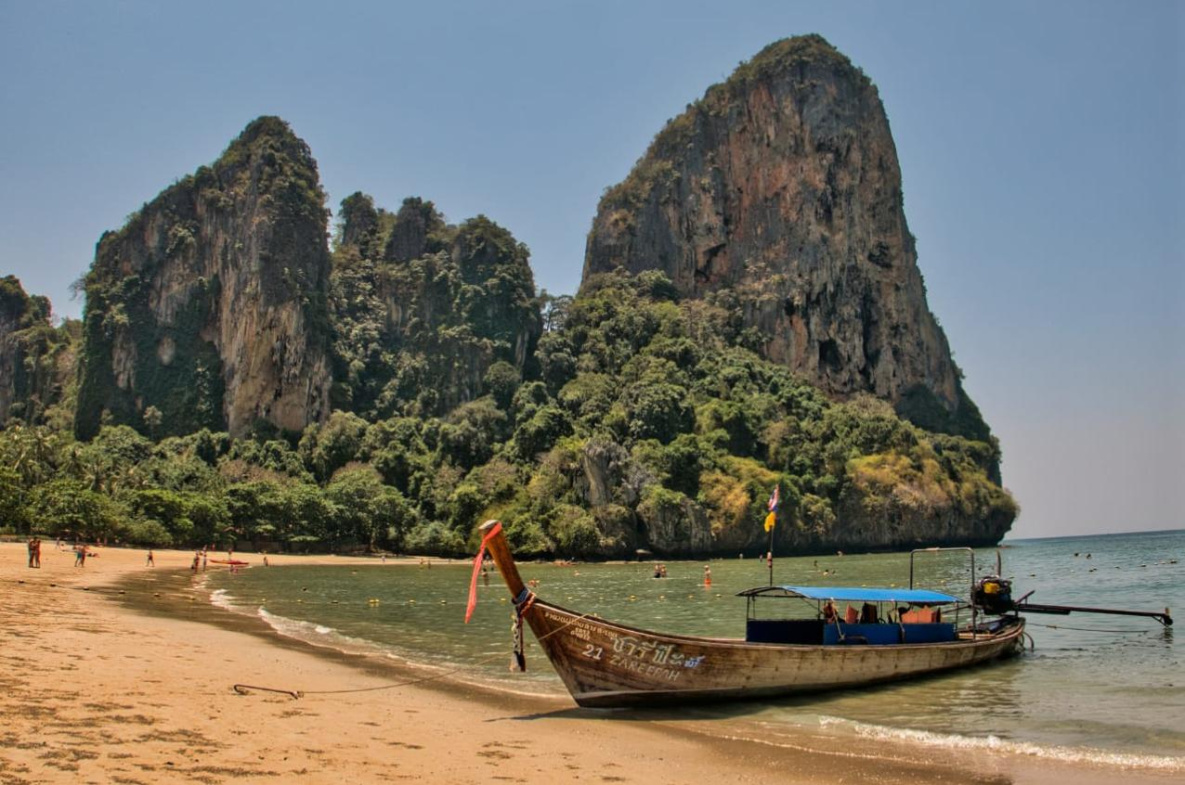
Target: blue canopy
[855,594]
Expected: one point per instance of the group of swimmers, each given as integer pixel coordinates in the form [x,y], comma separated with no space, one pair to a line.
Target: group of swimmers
[660,571]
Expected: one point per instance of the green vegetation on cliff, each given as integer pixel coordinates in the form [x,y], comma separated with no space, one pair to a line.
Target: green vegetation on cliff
[645,425]
[36,358]
[422,309]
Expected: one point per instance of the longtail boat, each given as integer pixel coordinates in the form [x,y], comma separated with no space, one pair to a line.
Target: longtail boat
[605,664]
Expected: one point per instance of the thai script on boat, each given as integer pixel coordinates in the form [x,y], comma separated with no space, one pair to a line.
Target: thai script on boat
[574,627]
[658,653]
[649,657]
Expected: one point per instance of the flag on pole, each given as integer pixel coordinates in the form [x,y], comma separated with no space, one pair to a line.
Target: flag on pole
[477,569]
[772,519]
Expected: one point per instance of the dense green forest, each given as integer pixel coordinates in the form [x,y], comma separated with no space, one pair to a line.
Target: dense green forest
[601,424]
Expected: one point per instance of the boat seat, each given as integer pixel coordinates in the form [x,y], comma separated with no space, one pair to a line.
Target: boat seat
[920,616]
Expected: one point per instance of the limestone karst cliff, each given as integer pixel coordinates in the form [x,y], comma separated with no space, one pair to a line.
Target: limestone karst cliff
[422,309]
[778,194]
[751,317]
[36,359]
[208,308]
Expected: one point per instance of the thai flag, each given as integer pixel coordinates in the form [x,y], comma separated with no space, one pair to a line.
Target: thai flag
[773,500]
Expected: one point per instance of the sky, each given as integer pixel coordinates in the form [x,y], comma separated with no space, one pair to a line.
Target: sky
[1042,149]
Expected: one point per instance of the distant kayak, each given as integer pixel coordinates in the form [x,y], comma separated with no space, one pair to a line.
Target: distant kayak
[231,562]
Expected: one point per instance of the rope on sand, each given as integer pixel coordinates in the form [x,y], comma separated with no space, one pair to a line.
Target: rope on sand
[245,689]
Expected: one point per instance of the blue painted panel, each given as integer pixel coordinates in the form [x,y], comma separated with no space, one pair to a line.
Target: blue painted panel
[929,633]
[869,634]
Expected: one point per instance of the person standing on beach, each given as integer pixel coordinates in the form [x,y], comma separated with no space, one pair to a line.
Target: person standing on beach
[37,553]
[205,558]
[151,561]
[31,543]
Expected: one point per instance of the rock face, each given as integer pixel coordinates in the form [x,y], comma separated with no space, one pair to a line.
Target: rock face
[209,305]
[15,317]
[33,354]
[423,309]
[866,519]
[779,193]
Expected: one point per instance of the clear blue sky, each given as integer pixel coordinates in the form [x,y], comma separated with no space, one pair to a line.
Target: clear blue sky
[1041,146]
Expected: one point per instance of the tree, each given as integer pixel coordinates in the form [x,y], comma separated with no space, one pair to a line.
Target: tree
[367,510]
[152,420]
[326,448]
[14,511]
[69,509]
[501,381]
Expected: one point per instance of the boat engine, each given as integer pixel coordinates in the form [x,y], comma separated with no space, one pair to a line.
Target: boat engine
[994,594]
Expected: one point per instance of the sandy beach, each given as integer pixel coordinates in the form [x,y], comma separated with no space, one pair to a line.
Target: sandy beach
[121,673]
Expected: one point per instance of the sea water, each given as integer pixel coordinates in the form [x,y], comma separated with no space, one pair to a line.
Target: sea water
[1101,689]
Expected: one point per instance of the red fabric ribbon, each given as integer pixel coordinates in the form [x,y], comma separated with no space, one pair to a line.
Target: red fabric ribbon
[477,569]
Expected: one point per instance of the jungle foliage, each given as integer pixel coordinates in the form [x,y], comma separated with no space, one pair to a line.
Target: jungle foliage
[636,413]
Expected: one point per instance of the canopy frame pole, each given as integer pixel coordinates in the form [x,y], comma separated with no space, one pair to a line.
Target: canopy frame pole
[970,592]
[770,556]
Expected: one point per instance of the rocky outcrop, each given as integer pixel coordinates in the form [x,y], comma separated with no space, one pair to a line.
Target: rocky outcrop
[634,512]
[34,356]
[13,305]
[779,195]
[209,305]
[417,231]
[423,309]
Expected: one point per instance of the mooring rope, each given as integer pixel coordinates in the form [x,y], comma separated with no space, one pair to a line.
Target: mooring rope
[245,689]
[566,625]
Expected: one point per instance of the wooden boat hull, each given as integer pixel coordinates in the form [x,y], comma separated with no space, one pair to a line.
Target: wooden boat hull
[612,665]
[604,664]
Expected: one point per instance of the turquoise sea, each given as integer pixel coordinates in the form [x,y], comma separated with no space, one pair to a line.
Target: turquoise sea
[1105,690]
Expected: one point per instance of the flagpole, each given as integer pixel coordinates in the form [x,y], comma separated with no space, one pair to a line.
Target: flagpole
[770,557]
[771,523]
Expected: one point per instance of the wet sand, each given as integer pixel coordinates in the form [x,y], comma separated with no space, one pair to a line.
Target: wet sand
[121,673]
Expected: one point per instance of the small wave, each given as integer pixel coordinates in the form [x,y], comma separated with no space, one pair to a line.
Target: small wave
[997,744]
[311,632]
[221,599]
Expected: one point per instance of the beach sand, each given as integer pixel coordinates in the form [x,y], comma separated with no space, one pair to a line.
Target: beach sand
[121,673]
